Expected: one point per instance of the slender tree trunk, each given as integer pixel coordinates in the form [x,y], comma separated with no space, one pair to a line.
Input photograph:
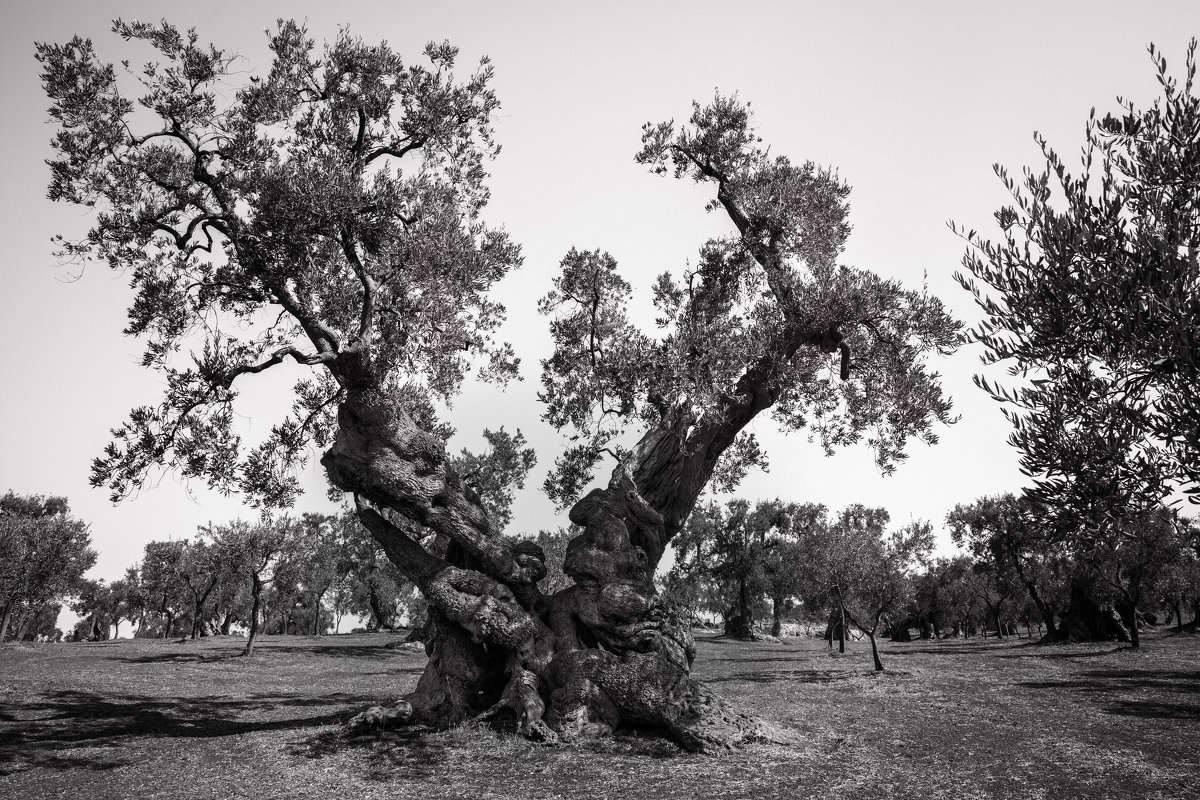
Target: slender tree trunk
[256,585]
[1043,608]
[317,612]
[875,651]
[26,620]
[1178,617]
[841,626]
[4,621]
[376,607]
[777,616]
[740,623]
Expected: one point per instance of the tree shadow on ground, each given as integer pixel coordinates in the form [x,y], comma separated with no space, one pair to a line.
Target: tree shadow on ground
[401,753]
[953,649]
[1103,683]
[773,676]
[182,658]
[339,651]
[40,733]
[1135,708]
[422,753]
[1058,650]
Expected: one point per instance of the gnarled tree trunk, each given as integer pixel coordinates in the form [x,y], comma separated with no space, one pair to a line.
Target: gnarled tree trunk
[598,654]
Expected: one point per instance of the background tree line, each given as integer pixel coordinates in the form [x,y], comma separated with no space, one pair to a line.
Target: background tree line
[746,563]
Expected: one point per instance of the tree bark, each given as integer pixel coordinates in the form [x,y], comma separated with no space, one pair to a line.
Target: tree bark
[777,616]
[317,612]
[256,585]
[4,622]
[1044,609]
[740,623]
[841,627]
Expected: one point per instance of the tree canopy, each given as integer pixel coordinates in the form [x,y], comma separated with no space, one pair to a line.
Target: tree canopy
[325,210]
[1091,297]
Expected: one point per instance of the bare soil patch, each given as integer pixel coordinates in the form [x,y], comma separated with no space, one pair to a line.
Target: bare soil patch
[955,719]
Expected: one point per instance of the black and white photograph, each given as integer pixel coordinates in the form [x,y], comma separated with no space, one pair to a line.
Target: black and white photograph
[563,401]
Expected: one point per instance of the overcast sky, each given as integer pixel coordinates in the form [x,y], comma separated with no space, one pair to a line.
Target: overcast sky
[911,103]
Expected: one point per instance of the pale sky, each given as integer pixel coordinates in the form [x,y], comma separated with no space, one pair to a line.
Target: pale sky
[911,102]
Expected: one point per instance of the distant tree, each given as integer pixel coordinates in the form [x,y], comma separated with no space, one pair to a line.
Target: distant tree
[877,580]
[203,564]
[312,561]
[836,567]
[256,549]
[1009,535]
[788,559]
[1132,563]
[43,554]
[375,585]
[730,547]
[1178,581]
[98,607]
[136,599]
[162,581]
[945,596]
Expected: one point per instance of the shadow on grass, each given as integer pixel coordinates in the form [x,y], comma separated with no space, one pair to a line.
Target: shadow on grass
[42,732]
[790,676]
[948,649]
[380,651]
[415,752]
[1102,683]
[1133,708]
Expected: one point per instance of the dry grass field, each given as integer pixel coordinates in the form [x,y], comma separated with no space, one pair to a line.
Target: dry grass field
[954,719]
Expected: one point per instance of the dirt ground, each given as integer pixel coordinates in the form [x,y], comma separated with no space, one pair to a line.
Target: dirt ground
[954,719]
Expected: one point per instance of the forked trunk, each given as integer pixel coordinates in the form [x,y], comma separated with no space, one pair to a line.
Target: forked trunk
[597,654]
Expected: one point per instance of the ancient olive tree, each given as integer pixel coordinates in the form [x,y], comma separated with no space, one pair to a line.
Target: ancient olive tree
[1090,296]
[328,213]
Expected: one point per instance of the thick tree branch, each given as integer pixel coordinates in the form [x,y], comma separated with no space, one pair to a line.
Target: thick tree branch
[309,359]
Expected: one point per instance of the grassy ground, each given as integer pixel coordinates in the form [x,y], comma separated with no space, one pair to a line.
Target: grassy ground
[960,719]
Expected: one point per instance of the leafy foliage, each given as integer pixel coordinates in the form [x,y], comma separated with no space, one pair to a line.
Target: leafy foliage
[43,552]
[325,212]
[751,326]
[1091,296]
